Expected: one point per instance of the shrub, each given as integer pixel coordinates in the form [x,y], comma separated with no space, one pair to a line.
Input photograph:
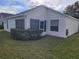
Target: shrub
[25,34]
[16,34]
[35,34]
[1,27]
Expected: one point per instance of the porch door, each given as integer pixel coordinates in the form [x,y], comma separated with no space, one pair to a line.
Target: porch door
[20,24]
[34,24]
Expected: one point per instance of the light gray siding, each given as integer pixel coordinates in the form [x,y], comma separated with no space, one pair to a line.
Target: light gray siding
[39,13]
[62,25]
[72,25]
[11,24]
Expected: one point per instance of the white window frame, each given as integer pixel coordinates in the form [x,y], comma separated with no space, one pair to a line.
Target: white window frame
[54,25]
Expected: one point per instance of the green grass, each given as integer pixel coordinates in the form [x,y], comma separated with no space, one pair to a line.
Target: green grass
[45,48]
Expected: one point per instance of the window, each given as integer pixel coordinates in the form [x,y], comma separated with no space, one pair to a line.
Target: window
[20,24]
[34,24]
[43,25]
[54,25]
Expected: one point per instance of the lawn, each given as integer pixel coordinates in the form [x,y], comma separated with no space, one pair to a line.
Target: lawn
[45,48]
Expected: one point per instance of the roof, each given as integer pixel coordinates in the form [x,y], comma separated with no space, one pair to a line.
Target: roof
[44,7]
[5,15]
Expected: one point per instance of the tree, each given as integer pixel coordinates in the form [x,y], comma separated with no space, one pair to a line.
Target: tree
[73,10]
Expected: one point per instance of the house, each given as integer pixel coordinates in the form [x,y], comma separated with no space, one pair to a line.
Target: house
[51,22]
[3,15]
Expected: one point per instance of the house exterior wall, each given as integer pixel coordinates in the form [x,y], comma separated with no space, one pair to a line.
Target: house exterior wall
[42,13]
[72,25]
[39,14]
[10,24]
[62,25]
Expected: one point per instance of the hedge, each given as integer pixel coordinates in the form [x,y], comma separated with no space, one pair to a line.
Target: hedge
[25,34]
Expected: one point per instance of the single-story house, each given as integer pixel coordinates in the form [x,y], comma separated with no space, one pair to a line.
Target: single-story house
[51,22]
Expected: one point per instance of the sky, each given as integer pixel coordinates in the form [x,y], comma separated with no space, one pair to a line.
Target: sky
[17,6]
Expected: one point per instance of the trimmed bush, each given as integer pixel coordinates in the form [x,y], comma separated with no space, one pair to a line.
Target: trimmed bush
[25,34]
[35,34]
[16,34]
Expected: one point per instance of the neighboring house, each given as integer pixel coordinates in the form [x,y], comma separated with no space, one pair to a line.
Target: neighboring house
[3,15]
[43,18]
